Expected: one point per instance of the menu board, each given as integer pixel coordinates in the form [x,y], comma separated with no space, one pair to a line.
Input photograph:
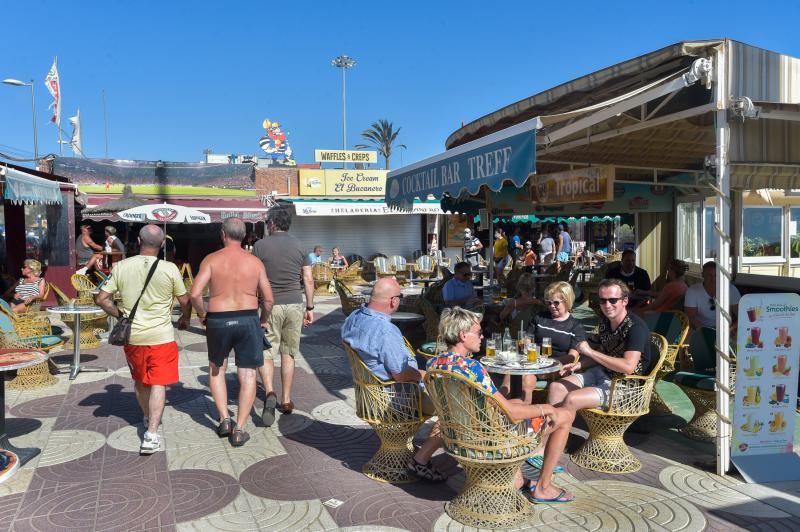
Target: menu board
[768,355]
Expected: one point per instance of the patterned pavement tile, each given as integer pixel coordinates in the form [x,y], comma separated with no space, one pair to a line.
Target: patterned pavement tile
[155,485]
[57,522]
[17,484]
[123,464]
[67,445]
[39,408]
[136,514]
[260,479]
[49,499]
[337,413]
[294,515]
[8,509]
[212,457]
[197,493]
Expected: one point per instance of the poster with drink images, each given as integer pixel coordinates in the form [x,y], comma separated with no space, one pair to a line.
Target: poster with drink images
[768,355]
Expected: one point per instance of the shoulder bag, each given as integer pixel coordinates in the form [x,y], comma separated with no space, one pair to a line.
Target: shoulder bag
[121,333]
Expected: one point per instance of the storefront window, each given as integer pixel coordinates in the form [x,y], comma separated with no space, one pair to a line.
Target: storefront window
[36,242]
[761,228]
[794,232]
[709,235]
[689,234]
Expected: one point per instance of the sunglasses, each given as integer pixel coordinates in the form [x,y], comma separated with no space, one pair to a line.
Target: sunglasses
[398,296]
[712,306]
[612,300]
[554,303]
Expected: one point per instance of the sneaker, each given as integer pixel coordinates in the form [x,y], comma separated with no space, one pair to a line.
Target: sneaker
[150,443]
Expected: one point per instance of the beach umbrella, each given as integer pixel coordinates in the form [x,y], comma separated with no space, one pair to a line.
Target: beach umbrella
[128,200]
[164,213]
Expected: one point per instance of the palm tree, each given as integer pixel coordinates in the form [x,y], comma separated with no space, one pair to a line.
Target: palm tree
[381,135]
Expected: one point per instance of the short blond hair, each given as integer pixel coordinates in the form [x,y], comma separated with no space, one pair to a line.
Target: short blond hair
[564,290]
[454,321]
[34,265]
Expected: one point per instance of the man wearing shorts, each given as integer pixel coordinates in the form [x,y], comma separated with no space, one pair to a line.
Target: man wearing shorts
[151,352]
[290,275]
[236,279]
[624,349]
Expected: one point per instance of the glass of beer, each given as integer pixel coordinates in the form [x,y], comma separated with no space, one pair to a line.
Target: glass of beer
[491,346]
[533,351]
[547,348]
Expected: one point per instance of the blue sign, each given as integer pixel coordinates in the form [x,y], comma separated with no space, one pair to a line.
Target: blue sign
[512,158]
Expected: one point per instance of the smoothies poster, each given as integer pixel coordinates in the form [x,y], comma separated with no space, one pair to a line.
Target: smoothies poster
[768,352]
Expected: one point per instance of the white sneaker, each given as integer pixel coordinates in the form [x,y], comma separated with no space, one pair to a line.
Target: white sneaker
[82,271]
[150,443]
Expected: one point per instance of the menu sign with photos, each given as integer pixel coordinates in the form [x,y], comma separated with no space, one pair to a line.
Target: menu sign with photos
[768,355]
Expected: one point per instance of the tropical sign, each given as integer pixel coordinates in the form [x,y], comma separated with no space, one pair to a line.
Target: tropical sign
[591,184]
[318,182]
[345,156]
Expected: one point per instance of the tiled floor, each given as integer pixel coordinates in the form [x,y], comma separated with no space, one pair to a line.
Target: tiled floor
[89,475]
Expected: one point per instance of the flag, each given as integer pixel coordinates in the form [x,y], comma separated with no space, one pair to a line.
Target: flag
[75,140]
[53,85]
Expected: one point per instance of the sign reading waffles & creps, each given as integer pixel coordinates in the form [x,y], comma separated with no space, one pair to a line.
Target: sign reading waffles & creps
[574,186]
[345,156]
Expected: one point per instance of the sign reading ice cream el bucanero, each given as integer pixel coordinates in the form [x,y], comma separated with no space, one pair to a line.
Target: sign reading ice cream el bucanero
[584,185]
[489,161]
[317,182]
[345,156]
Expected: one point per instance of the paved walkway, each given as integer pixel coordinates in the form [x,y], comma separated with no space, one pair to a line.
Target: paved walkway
[89,475]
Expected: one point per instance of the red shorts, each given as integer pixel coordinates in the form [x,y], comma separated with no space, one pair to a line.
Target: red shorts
[153,364]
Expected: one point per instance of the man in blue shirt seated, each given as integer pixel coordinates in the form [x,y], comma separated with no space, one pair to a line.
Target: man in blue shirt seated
[315,256]
[371,333]
[459,290]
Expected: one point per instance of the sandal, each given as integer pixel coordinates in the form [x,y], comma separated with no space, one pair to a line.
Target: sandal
[427,471]
[224,428]
[537,461]
[238,437]
[563,497]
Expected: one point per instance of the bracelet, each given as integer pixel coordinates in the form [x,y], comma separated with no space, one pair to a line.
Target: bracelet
[310,308]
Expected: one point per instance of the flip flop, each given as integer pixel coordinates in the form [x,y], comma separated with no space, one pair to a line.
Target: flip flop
[561,499]
[537,462]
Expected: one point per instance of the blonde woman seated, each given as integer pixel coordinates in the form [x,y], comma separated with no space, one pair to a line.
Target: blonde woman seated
[30,287]
[461,331]
[669,296]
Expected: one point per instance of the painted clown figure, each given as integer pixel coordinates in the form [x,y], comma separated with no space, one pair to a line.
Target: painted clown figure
[275,145]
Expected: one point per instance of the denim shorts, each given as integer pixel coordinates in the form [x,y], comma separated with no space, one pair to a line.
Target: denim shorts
[598,378]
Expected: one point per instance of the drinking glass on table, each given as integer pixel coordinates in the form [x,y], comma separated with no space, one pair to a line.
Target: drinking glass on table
[547,348]
[491,346]
[533,351]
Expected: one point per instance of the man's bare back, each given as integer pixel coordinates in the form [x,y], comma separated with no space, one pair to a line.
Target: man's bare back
[234,277]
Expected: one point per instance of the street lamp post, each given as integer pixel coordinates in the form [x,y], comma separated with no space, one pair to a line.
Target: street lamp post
[18,83]
[344,62]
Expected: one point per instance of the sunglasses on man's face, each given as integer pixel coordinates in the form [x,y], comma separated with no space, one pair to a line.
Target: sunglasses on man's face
[612,300]
[398,296]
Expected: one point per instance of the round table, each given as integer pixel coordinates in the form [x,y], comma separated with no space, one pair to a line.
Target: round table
[521,366]
[406,318]
[77,311]
[405,290]
[13,359]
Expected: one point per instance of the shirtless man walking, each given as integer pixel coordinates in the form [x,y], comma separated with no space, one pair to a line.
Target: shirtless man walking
[236,279]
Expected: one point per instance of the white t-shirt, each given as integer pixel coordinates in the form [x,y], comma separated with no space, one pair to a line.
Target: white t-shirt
[696,297]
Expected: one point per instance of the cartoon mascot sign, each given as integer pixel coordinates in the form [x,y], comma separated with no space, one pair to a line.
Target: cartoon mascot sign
[275,145]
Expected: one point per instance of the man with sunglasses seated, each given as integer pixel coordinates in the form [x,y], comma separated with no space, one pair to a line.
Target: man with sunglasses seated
[623,349]
[459,291]
[700,299]
[371,333]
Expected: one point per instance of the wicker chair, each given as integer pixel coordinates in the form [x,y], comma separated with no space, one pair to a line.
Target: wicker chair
[426,266]
[399,267]
[394,410]
[350,301]
[84,287]
[382,268]
[350,275]
[674,326]
[489,444]
[605,449]
[699,385]
[18,336]
[323,275]
[91,324]
[38,321]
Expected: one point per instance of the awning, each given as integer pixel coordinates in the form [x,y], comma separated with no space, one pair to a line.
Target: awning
[249,209]
[21,188]
[357,208]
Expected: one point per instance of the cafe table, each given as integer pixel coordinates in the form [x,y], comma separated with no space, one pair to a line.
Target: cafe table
[519,365]
[406,318]
[14,359]
[77,311]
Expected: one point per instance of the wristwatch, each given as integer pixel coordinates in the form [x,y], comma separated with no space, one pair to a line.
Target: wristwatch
[309,308]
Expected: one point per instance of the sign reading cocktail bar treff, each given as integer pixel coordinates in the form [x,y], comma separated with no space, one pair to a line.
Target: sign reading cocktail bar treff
[510,158]
[591,184]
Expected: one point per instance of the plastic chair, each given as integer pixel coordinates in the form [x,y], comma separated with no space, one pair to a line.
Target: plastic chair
[394,411]
[674,326]
[629,399]
[489,444]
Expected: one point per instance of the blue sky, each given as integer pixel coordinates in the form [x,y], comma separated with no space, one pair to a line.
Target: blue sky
[183,76]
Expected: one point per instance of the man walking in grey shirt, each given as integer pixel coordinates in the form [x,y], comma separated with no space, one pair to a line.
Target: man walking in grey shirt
[289,273]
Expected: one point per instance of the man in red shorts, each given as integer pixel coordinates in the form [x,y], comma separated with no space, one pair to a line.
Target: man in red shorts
[151,352]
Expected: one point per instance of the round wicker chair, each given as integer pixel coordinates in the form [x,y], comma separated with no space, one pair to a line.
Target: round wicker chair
[394,410]
[91,325]
[605,449]
[323,275]
[350,301]
[18,336]
[674,326]
[84,287]
[489,444]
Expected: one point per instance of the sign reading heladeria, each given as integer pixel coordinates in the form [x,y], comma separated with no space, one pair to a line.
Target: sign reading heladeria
[574,186]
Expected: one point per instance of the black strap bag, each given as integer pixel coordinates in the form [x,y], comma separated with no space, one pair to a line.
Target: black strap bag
[121,333]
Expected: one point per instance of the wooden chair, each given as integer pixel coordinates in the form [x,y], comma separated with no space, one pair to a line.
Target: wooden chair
[674,326]
[699,384]
[350,301]
[489,444]
[426,266]
[605,449]
[323,275]
[382,268]
[18,336]
[91,324]
[394,410]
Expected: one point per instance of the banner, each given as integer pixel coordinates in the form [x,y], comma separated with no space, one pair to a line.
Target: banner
[359,208]
[345,156]
[768,347]
[591,184]
[53,85]
[318,182]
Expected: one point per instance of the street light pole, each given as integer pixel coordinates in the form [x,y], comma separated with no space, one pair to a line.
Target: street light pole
[344,62]
[18,83]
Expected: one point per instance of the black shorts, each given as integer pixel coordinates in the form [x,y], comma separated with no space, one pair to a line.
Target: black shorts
[239,330]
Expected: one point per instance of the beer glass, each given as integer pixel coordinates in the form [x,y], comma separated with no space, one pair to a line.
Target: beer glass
[547,348]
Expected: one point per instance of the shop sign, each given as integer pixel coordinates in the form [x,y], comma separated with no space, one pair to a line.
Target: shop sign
[345,156]
[367,208]
[768,348]
[316,182]
[574,186]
